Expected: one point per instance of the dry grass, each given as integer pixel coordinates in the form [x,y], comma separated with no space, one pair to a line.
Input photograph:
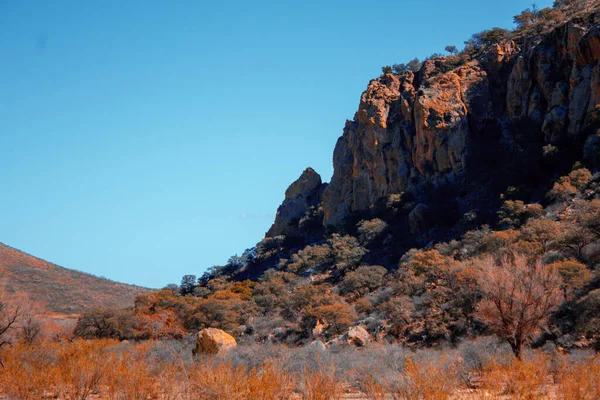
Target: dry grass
[56,290]
[520,380]
[579,381]
[103,369]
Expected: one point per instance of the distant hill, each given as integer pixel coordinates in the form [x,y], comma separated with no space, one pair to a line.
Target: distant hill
[53,290]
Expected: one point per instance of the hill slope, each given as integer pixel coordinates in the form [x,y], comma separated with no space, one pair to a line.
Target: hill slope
[56,290]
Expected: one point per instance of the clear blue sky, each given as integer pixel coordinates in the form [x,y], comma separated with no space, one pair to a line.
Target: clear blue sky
[144,140]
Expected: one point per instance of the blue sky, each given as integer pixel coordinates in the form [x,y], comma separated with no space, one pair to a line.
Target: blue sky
[145,140]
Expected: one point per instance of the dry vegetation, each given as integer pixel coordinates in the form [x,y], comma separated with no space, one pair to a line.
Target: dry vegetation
[108,369]
[53,289]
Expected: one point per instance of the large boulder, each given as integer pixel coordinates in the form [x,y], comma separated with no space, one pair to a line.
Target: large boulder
[213,341]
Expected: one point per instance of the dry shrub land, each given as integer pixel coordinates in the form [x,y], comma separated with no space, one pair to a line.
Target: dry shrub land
[109,369]
[453,288]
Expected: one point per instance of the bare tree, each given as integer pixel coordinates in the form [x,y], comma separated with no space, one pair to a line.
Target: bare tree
[518,298]
[8,318]
[30,327]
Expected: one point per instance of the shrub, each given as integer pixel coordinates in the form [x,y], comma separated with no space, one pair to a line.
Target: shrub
[339,317]
[580,178]
[562,190]
[518,379]
[320,385]
[371,229]
[101,323]
[363,280]
[434,380]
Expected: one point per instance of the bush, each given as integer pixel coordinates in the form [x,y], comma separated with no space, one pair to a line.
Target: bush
[371,229]
[106,323]
[484,39]
[363,280]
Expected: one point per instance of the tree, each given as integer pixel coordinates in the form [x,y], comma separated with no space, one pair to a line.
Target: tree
[574,275]
[386,70]
[30,327]
[8,319]
[562,190]
[400,69]
[527,17]
[517,298]
[188,283]
[587,214]
[487,38]
[414,65]
[451,49]
[574,239]
[515,213]
[542,231]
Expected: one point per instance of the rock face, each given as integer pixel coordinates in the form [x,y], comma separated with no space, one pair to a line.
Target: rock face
[434,126]
[304,193]
[213,341]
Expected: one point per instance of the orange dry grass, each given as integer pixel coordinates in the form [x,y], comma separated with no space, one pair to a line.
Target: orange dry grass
[227,382]
[429,380]
[580,381]
[520,380]
[320,385]
[111,370]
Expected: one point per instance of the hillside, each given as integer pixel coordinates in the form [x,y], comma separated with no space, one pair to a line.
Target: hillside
[56,290]
[490,153]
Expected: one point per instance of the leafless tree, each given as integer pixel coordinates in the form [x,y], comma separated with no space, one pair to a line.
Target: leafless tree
[8,318]
[518,297]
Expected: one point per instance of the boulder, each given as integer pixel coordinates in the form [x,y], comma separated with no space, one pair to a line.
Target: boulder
[213,341]
[317,345]
[357,336]
[319,328]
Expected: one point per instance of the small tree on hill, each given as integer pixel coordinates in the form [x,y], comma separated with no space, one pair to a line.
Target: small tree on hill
[188,283]
[518,298]
[451,49]
[527,17]
[400,69]
[414,65]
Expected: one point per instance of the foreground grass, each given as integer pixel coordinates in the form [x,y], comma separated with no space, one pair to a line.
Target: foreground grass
[166,370]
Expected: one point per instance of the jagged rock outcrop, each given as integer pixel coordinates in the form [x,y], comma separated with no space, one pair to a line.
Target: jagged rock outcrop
[434,126]
[304,193]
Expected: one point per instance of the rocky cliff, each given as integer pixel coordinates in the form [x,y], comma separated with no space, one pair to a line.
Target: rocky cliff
[504,108]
